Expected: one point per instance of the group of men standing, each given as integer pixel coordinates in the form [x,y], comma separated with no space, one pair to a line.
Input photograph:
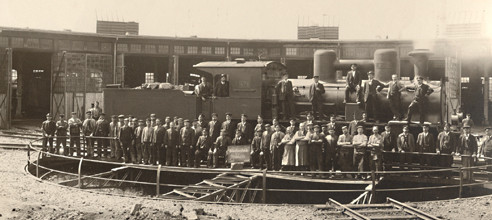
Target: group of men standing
[365,93]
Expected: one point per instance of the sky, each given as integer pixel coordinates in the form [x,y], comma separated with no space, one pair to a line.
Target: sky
[250,19]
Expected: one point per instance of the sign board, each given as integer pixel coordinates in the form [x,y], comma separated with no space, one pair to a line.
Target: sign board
[238,154]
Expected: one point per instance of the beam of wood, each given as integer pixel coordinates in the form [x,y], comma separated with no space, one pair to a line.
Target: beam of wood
[183,194]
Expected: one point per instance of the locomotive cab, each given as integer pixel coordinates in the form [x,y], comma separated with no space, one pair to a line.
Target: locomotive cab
[251,87]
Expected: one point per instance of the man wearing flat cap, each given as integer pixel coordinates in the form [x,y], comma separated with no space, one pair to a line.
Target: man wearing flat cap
[285,95]
[316,91]
[61,133]
[420,100]
[102,131]
[221,88]
[467,147]
[354,81]
[186,150]
[48,127]
[371,89]
[88,129]
[74,125]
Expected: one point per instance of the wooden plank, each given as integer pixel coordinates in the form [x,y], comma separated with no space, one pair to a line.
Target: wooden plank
[177,191]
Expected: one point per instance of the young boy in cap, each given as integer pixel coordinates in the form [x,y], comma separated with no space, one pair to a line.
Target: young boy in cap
[88,129]
[74,125]
[61,133]
[186,145]
[48,127]
[275,147]
[147,137]
[255,149]
[203,144]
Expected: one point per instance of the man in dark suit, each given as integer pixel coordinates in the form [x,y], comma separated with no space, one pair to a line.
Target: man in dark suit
[394,96]
[316,90]
[102,130]
[285,96]
[204,89]
[214,127]
[371,89]
[422,91]
[467,147]
[354,81]
[245,128]
[221,88]
[425,144]
[228,126]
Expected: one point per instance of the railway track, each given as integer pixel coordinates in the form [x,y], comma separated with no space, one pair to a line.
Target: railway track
[392,209]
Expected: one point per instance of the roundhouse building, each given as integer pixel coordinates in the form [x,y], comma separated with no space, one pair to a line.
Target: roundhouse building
[61,71]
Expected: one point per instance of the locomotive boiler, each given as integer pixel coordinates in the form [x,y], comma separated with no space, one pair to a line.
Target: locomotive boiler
[252,89]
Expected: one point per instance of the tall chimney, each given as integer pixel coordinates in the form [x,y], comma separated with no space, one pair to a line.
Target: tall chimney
[420,60]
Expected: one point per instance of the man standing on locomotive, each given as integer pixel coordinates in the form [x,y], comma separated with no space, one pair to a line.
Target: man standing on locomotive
[285,95]
[371,89]
[422,91]
[354,81]
[316,91]
[394,96]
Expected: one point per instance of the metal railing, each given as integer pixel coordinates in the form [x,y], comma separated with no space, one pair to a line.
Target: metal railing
[374,175]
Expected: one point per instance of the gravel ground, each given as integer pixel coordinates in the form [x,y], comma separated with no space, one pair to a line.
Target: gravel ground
[23,197]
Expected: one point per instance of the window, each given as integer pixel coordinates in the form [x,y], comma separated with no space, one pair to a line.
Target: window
[248,51]
[179,49]
[275,51]
[219,50]
[206,50]
[235,50]
[291,51]
[192,49]
[465,79]
[14,76]
[149,77]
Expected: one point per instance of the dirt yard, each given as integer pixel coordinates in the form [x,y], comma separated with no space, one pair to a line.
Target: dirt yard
[23,197]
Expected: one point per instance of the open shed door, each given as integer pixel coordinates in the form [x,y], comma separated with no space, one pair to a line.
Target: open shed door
[5,90]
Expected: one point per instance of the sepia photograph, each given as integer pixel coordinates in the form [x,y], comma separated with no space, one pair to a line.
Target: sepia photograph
[258,109]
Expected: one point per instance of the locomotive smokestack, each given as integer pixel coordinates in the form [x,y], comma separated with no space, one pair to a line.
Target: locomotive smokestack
[420,60]
[324,65]
[385,61]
